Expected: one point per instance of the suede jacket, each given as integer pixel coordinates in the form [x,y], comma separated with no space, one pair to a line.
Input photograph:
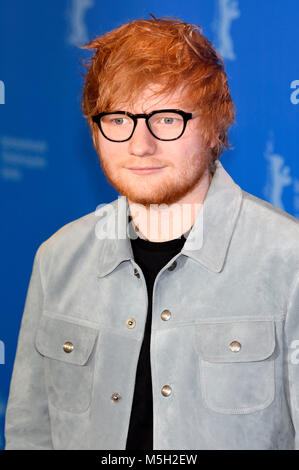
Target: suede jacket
[224,355]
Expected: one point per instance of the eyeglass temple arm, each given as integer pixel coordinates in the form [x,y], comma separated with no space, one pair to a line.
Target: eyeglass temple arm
[195,114]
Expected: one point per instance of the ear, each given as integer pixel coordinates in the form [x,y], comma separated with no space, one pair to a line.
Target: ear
[95,138]
[213,142]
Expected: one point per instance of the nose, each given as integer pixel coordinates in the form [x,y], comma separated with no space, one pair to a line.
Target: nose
[142,141]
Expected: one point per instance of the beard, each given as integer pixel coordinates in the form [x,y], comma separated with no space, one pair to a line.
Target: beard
[163,187]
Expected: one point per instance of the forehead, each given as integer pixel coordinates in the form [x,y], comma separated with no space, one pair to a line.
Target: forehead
[149,100]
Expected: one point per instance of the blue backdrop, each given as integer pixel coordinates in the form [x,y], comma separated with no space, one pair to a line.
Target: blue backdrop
[49,171]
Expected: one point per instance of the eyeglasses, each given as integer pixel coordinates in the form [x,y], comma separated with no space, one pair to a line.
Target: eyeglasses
[164,124]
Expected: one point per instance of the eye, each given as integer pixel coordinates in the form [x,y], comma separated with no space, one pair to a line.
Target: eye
[166,119]
[169,120]
[118,121]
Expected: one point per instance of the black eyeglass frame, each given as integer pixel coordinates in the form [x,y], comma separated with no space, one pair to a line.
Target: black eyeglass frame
[135,117]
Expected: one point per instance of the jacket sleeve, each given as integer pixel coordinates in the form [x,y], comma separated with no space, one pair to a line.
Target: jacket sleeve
[27,423]
[292,357]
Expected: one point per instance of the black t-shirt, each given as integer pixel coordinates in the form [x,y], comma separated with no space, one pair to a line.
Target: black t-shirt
[151,257]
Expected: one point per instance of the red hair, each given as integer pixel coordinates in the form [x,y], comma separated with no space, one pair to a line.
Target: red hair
[164,51]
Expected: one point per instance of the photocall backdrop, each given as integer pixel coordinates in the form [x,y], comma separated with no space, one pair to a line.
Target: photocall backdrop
[49,171]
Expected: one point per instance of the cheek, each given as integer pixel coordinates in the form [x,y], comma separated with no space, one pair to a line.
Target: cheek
[110,152]
[185,152]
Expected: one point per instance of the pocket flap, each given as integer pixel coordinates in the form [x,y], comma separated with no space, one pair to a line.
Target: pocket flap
[237,341]
[53,333]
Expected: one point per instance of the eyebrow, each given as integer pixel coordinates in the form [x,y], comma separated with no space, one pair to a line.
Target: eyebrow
[153,110]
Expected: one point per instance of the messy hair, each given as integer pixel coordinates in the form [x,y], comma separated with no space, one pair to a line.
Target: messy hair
[167,52]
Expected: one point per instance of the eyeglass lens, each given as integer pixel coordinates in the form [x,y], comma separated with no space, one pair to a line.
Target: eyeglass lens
[165,125]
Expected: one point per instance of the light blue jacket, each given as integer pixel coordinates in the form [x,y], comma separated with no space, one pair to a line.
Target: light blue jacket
[228,352]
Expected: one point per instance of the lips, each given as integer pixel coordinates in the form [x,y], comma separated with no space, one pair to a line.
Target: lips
[145,170]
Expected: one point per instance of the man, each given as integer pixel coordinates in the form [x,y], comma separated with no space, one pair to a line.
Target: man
[169,318]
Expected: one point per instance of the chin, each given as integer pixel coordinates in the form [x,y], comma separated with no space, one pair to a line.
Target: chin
[150,199]
[143,199]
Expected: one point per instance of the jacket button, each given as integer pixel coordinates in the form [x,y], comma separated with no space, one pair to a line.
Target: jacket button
[131,323]
[68,347]
[136,273]
[165,315]
[166,390]
[172,266]
[235,346]
[115,397]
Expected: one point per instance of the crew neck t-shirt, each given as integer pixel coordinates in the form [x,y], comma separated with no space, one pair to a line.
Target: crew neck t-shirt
[151,257]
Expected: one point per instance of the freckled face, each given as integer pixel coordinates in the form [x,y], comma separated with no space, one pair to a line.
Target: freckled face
[174,169]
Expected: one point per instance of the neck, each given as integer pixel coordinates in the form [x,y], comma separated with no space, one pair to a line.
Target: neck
[161,222]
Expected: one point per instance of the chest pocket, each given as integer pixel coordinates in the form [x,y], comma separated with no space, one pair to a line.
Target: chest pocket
[236,365]
[68,349]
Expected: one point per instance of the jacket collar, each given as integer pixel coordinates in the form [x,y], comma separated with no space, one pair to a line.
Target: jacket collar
[206,243]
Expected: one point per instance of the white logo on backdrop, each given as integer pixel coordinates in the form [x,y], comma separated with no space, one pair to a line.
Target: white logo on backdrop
[2,92]
[278,176]
[78,29]
[227,11]
[17,155]
[295,95]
